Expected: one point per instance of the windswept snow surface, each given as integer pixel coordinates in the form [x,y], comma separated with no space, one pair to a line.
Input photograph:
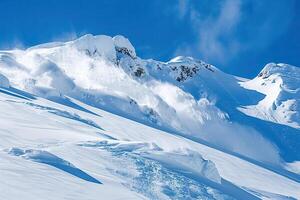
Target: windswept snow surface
[89,119]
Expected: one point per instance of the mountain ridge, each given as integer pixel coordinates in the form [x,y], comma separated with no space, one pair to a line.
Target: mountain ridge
[184,95]
[92,112]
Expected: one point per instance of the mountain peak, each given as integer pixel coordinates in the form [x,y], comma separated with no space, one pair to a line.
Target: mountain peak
[104,45]
[281,69]
[124,45]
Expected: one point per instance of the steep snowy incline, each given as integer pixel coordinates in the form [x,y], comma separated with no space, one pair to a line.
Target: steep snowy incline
[72,150]
[185,96]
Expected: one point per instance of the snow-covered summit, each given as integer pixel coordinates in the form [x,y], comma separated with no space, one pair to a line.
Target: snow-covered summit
[184,68]
[101,45]
[104,45]
[281,69]
[280,83]
[122,44]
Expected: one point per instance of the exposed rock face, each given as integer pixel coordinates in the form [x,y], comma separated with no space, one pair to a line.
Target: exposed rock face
[185,68]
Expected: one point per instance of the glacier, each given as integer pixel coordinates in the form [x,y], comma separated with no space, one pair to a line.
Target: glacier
[89,119]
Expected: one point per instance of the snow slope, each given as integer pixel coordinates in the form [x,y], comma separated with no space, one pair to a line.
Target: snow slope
[81,152]
[90,113]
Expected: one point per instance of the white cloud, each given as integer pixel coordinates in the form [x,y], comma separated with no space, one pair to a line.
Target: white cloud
[183,8]
[226,28]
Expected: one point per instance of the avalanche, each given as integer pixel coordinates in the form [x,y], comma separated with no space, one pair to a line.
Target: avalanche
[90,113]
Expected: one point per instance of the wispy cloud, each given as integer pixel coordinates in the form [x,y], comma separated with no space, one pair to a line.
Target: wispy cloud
[183,8]
[226,28]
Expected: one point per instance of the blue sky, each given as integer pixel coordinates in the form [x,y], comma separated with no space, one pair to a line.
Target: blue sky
[238,36]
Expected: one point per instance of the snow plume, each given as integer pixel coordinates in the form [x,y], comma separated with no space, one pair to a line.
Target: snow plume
[242,139]
[202,119]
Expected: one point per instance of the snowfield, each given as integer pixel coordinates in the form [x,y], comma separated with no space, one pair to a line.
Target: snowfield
[89,119]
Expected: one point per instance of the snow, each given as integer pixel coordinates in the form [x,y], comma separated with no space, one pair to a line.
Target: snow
[294,167]
[34,138]
[184,95]
[4,82]
[91,114]
[121,42]
[191,162]
[101,45]
[52,160]
[280,83]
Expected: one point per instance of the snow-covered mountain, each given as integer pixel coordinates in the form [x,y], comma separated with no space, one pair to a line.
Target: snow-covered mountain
[89,118]
[280,83]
